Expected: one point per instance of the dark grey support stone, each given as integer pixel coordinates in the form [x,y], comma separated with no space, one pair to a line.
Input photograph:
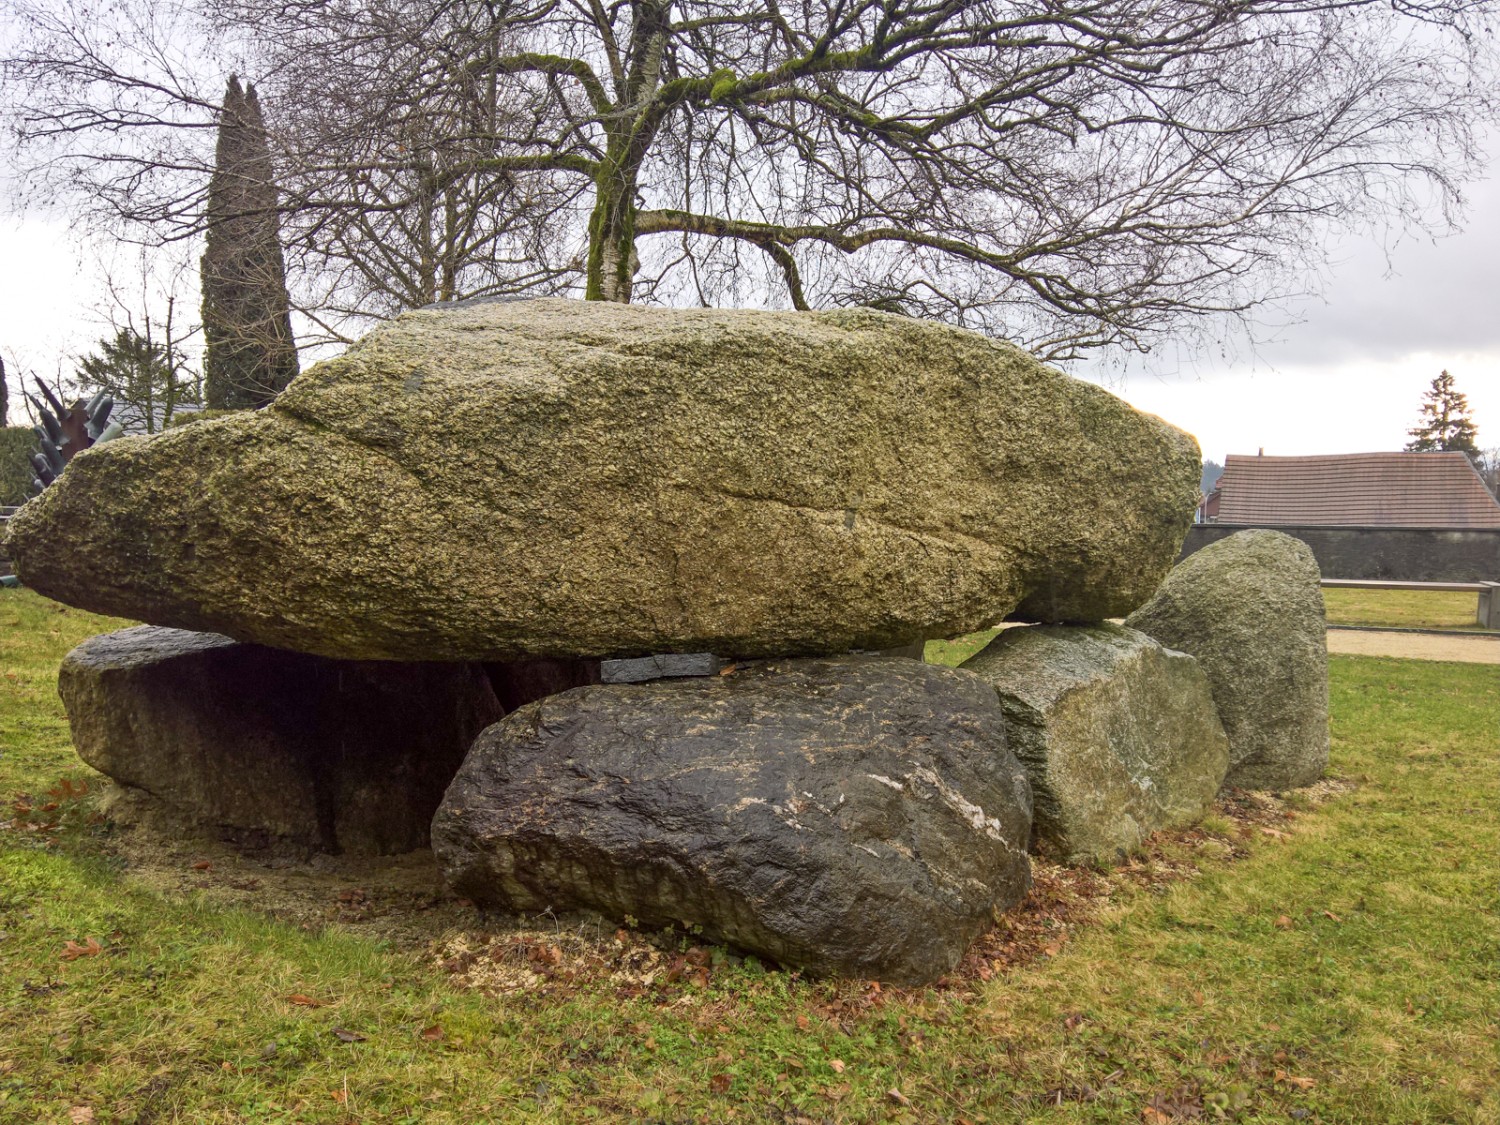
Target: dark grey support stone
[336,755]
[856,816]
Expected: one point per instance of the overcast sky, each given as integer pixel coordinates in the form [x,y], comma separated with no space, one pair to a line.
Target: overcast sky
[1347,378]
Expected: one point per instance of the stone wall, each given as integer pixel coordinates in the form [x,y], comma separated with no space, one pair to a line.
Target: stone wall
[1397,554]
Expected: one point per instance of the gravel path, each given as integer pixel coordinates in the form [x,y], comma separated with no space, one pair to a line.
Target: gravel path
[1415,646]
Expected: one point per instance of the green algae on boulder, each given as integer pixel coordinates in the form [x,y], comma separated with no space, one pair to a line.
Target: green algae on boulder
[1117,734]
[557,478]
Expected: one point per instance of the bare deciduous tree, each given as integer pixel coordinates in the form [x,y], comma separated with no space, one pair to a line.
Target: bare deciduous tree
[1069,173]
[1488,467]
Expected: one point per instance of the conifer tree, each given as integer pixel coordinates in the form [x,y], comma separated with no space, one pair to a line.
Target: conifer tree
[250,355]
[143,376]
[1445,424]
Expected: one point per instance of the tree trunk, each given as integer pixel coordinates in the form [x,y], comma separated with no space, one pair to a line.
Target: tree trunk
[612,260]
[612,257]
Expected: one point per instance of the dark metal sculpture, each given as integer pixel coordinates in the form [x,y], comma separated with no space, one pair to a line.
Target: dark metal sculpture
[65,432]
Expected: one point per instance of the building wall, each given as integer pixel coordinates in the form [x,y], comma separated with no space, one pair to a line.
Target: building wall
[1398,554]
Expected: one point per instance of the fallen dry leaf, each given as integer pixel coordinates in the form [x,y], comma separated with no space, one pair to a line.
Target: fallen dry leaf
[304,1001]
[348,1036]
[1331,916]
[71,951]
[898,1097]
[837,1065]
[203,865]
[1294,1080]
[80,1114]
[432,1034]
[1283,922]
[719,1084]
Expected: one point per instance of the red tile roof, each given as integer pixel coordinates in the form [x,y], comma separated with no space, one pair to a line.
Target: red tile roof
[1372,489]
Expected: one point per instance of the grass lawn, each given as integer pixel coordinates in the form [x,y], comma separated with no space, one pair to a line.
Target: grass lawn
[1338,961]
[1403,609]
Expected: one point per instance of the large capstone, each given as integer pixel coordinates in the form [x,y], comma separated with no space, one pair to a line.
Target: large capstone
[334,755]
[586,479]
[856,817]
[1118,735]
[1250,609]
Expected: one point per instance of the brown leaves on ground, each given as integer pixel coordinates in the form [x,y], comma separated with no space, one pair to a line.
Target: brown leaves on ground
[302,1000]
[554,960]
[30,814]
[1294,1080]
[71,950]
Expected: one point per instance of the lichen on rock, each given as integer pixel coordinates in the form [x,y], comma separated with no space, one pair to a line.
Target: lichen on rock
[581,479]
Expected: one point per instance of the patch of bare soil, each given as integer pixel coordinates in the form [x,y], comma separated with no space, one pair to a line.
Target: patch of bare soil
[401,899]
[1415,646]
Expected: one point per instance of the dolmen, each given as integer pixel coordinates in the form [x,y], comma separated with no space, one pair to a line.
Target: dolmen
[614,608]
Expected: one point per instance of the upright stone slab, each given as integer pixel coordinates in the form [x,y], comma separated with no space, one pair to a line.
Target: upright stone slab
[583,479]
[1250,609]
[335,755]
[1117,734]
[857,817]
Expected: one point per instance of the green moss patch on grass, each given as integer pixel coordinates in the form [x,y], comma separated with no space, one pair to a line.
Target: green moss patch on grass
[1327,960]
[1402,609]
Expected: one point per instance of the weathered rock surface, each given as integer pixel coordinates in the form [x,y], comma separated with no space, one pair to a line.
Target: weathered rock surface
[1250,609]
[561,478]
[336,755]
[856,817]
[1118,735]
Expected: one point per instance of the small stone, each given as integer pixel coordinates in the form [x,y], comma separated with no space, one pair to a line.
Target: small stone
[662,667]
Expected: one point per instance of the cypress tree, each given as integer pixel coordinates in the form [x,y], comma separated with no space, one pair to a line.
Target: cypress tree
[250,356]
